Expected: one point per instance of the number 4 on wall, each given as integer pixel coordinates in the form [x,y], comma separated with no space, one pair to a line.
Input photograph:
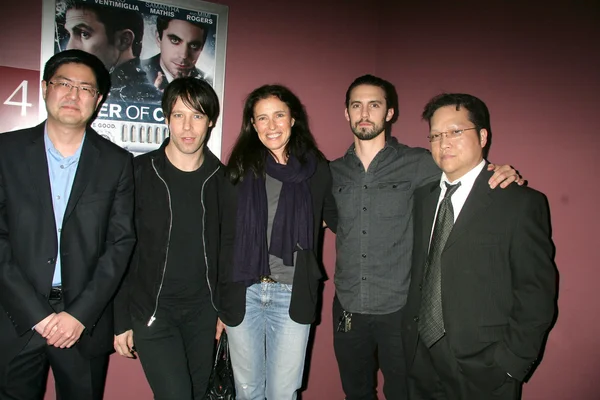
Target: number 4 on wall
[23,103]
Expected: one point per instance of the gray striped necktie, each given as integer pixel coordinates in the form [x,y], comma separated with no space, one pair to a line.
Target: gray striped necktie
[431,321]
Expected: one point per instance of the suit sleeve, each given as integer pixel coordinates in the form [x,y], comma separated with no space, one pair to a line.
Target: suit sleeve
[122,315]
[112,263]
[533,287]
[24,306]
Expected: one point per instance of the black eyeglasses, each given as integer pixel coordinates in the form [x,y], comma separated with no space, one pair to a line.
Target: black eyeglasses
[453,134]
[87,91]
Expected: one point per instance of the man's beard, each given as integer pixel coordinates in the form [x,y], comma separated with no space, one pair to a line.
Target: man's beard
[367,133]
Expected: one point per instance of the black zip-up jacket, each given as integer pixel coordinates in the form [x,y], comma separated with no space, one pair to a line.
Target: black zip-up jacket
[140,291]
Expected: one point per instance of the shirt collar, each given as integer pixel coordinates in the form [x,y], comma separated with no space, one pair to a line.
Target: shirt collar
[467,180]
[165,71]
[391,142]
[55,153]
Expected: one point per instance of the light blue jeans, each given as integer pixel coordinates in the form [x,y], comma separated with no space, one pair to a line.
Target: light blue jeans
[268,348]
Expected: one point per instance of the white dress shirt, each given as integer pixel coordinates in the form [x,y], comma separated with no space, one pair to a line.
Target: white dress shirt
[460,195]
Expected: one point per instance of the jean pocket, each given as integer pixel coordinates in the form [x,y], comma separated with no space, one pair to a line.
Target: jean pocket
[286,288]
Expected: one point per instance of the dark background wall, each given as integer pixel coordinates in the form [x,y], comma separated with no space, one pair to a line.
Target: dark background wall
[536,66]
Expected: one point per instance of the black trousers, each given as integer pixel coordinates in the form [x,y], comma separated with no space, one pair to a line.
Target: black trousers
[373,341]
[435,375]
[176,351]
[76,377]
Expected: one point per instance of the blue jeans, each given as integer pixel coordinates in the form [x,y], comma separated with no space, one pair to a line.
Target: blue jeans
[268,348]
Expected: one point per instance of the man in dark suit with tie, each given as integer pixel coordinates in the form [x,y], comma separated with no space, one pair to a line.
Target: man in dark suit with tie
[66,235]
[482,294]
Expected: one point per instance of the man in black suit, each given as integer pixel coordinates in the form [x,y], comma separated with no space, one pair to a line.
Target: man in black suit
[180,43]
[482,295]
[66,235]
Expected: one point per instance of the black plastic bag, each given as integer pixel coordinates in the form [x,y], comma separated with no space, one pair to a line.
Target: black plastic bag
[221,385]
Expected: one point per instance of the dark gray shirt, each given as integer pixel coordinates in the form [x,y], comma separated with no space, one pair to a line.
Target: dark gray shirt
[279,272]
[375,233]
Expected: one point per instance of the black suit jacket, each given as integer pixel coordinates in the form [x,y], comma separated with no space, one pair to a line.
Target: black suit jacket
[96,240]
[498,279]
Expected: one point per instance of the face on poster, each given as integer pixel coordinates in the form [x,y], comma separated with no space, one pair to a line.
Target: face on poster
[144,45]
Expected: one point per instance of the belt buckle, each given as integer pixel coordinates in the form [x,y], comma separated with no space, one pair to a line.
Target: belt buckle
[266,279]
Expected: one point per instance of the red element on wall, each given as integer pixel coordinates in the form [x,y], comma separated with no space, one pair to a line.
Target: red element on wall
[19,98]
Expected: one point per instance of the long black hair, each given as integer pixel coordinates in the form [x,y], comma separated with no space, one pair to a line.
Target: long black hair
[249,154]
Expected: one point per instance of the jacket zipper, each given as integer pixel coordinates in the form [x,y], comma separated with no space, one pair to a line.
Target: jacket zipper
[162,280]
[204,236]
[153,317]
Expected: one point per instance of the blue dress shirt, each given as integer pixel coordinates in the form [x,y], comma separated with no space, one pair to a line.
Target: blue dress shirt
[61,171]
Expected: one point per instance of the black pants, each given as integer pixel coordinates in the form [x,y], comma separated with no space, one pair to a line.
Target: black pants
[76,377]
[372,338]
[434,375]
[176,351]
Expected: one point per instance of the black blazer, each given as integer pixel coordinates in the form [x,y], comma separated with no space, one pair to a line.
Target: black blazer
[96,240]
[308,270]
[498,280]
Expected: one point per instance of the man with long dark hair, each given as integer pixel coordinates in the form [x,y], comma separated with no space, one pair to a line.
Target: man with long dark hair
[166,304]
[66,235]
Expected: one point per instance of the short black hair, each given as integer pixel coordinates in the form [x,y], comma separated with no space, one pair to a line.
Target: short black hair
[116,19]
[75,56]
[195,93]
[162,23]
[479,114]
[391,96]
[477,110]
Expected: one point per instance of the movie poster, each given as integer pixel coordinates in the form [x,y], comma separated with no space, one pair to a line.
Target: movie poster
[144,45]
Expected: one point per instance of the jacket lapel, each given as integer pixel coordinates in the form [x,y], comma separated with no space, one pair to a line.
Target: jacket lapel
[38,168]
[478,200]
[429,209]
[85,169]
